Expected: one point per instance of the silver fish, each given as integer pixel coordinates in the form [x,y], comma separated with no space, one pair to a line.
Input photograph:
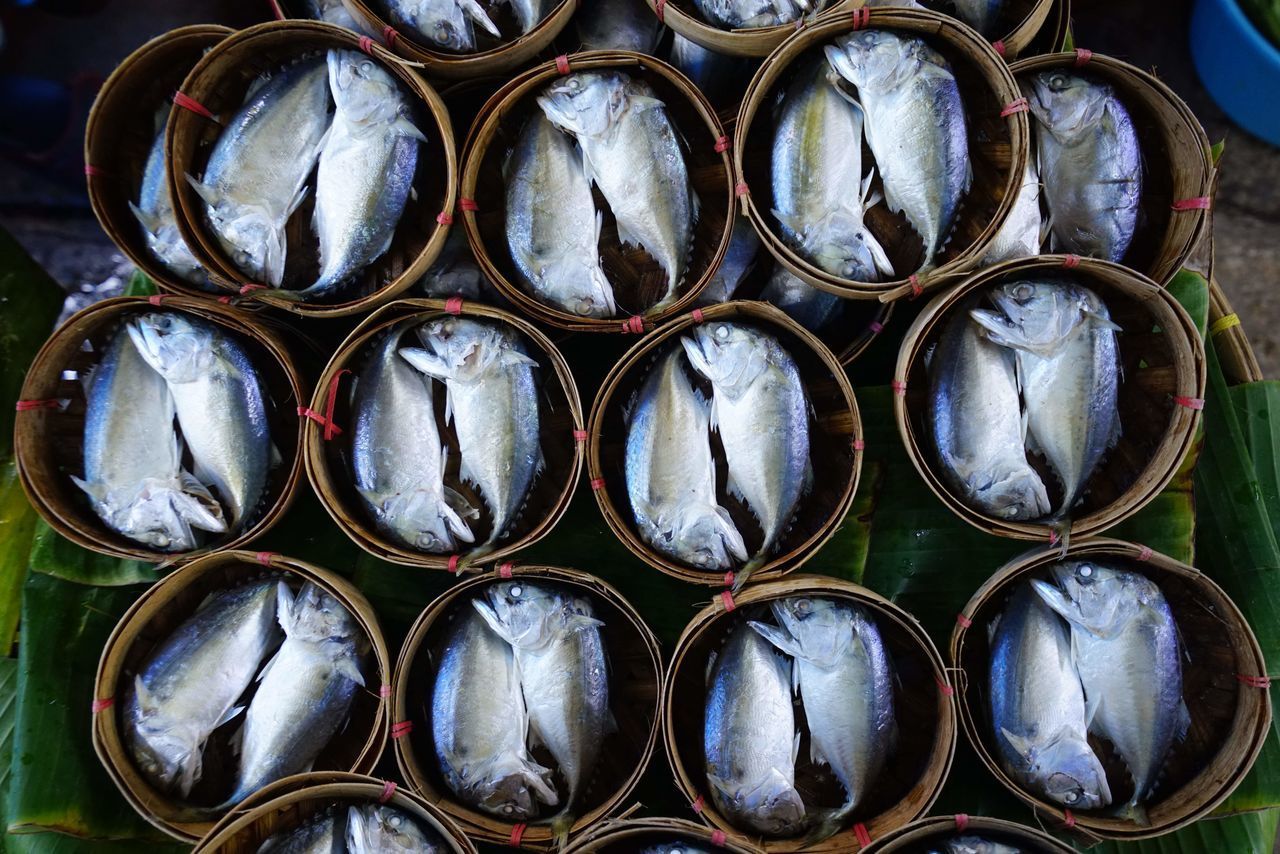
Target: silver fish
[761,412]
[632,153]
[564,674]
[676,848]
[915,125]
[751,14]
[256,175]
[331,12]
[529,13]
[154,212]
[479,721]
[445,24]
[1125,640]
[189,685]
[398,457]
[618,25]
[813,308]
[304,693]
[1069,372]
[976,420]
[739,261]
[492,399]
[842,671]
[133,471]
[553,227]
[982,15]
[671,477]
[374,829]
[819,192]
[220,405]
[455,273]
[1037,706]
[1023,232]
[323,834]
[750,737]
[976,845]
[1090,162]
[721,77]
[366,170]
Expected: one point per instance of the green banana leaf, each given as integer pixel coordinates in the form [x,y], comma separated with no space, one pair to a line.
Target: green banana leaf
[53,554]
[1254,833]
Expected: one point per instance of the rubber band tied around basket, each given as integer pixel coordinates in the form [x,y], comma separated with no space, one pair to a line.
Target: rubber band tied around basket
[1196,403]
[453,564]
[562,64]
[729,578]
[1071,262]
[504,569]
[1254,681]
[718,838]
[517,834]
[998,46]
[660,9]
[249,287]
[101,705]
[697,805]
[698,316]
[309,413]
[1069,819]
[859,444]
[597,484]
[92,171]
[741,189]
[1144,554]
[580,435]
[876,327]
[1019,105]
[388,789]
[264,558]
[861,18]
[389,35]
[30,405]
[453,305]
[1199,203]
[186,102]
[964,621]
[633,325]
[899,387]
[156,299]
[944,687]
[366,45]
[401,728]
[384,691]
[962,822]
[468,205]
[1222,324]
[860,833]
[1082,57]
[916,288]
[722,145]
[726,597]
[444,218]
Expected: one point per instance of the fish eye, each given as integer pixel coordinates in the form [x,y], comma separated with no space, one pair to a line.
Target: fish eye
[803,606]
[508,809]
[722,332]
[394,821]
[582,307]
[366,67]
[574,84]
[1058,82]
[517,591]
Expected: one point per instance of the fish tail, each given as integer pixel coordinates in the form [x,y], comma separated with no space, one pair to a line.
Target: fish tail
[561,824]
[828,824]
[740,577]
[1134,812]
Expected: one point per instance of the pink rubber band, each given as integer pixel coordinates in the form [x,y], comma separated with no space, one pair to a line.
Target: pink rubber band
[366,45]
[597,484]
[962,822]
[504,569]
[453,563]
[727,598]
[103,704]
[401,729]
[659,9]
[468,205]
[1200,203]
[741,189]
[1254,681]
[1189,402]
[1144,553]
[859,445]
[264,558]
[453,305]
[916,288]
[964,621]
[860,833]
[388,789]
[718,838]
[722,145]
[581,435]
[384,691]
[698,804]
[1082,57]
[29,405]
[1071,262]
[899,387]
[861,18]
[998,46]
[562,64]
[93,171]
[389,35]
[186,102]
[444,218]
[876,327]
[697,316]
[156,299]
[633,325]
[517,834]
[1017,106]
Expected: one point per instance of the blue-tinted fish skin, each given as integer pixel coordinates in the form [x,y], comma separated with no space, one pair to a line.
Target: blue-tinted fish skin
[154,212]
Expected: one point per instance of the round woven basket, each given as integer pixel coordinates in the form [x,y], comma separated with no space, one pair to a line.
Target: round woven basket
[290,802]
[49,442]
[835,442]
[1161,393]
[1230,716]
[148,623]
[121,130]
[1022,22]
[637,279]
[635,684]
[932,834]
[1177,162]
[495,57]
[218,84]
[926,715]
[328,448]
[1053,35]
[683,17]
[998,147]
[641,834]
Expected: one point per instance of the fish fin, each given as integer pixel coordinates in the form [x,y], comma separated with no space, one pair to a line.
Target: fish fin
[711,666]
[794,224]
[730,534]
[146,220]
[581,622]
[427,362]
[1020,744]
[1101,321]
[514,358]
[348,667]
[815,753]
[403,126]
[357,837]
[879,257]
[266,668]
[96,491]
[1183,724]
[731,484]
[779,637]
[276,458]
[146,701]
[192,768]
[795,748]
[285,601]
[1054,598]
[992,628]
[229,715]
[486,612]
[476,12]
[1091,704]
[533,735]
[209,195]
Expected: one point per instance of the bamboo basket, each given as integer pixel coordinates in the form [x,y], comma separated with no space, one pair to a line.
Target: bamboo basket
[926,716]
[635,684]
[630,835]
[1230,720]
[1177,163]
[496,56]
[998,148]
[328,450]
[1023,22]
[637,278]
[164,606]
[683,17]
[219,81]
[930,834]
[1052,36]
[49,442]
[121,131]
[290,802]
[1160,394]
[835,443]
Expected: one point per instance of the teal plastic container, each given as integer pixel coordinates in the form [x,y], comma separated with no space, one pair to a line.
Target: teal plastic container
[1238,65]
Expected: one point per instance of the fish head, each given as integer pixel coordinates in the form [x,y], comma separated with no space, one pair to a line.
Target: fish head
[772,806]
[705,537]
[362,89]
[848,249]
[509,788]
[421,519]
[462,348]
[1094,597]
[525,611]
[731,356]
[585,103]
[177,347]
[581,285]
[252,240]
[823,628]
[1072,775]
[444,24]
[164,750]
[165,519]
[874,60]
[1041,314]
[1067,105]
[1017,495]
[380,828]
[315,616]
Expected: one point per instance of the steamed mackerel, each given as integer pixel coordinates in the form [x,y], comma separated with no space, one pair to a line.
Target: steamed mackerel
[322,834]
[975,845]
[976,420]
[493,402]
[676,848]
[154,212]
[813,308]
[1090,162]
[618,25]
[375,829]
[529,13]
[479,722]
[398,456]
[1037,706]
[447,24]
[750,737]
[761,412]
[257,173]
[819,192]
[982,15]
[1127,650]
[631,152]
[1069,372]
[553,227]
[331,12]
[564,674]
[719,76]
[916,127]
[1023,232]
[846,685]
[189,685]
[366,170]
[220,404]
[739,261]
[671,477]
[133,471]
[752,14]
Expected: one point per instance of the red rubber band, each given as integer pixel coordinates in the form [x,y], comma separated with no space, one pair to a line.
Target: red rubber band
[698,804]
[225,300]
[860,833]
[453,305]
[444,218]
[580,435]
[718,838]
[861,17]
[859,445]
[962,821]
[1071,262]
[468,205]
[366,45]
[388,789]
[947,690]
[103,704]
[384,691]
[697,316]
[1069,820]
[1254,681]
[264,558]
[729,578]
[1017,106]
[517,833]
[1144,553]
[964,621]
[453,563]
[998,46]
[876,327]
[186,102]
[156,299]
[389,35]
[401,729]
[899,387]
[1053,537]
[597,484]
[307,412]
[250,286]
[722,145]
[727,598]
[659,8]
[28,405]
[633,325]
[741,189]
[1189,402]
[1200,203]
[330,402]
[504,569]
[562,64]
[916,288]
[93,171]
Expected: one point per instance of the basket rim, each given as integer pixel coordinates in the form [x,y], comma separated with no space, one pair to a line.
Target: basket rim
[896,840]
[604,832]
